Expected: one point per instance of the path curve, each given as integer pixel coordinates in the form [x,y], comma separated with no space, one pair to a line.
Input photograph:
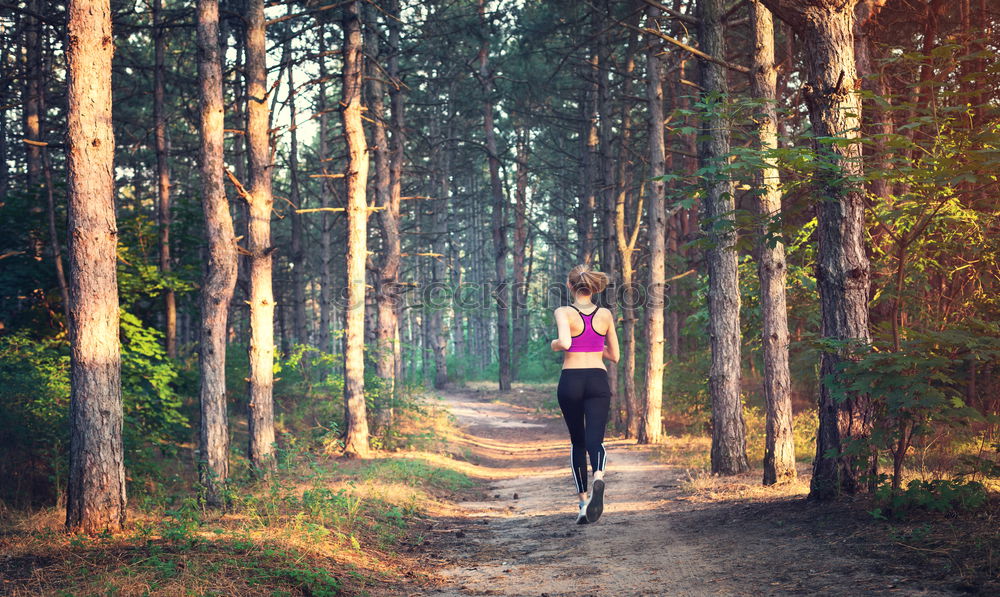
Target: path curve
[523,540]
[519,538]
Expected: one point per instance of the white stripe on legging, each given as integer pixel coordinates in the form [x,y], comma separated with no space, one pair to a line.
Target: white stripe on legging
[572,470]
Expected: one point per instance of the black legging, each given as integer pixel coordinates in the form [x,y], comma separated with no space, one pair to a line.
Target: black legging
[585,399]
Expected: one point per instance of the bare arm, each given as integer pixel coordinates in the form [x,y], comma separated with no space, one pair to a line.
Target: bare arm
[611,351]
[565,340]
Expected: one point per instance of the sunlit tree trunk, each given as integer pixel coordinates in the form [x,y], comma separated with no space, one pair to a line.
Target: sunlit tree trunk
[626,244]
[501,292]
[163,177]
[95,497]
[261,202]
[355,418]
[728,430]
[779,445]
[220,272]
[842,268]
[650,424]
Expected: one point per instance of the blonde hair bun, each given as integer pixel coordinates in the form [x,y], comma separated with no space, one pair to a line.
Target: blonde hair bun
[585,279]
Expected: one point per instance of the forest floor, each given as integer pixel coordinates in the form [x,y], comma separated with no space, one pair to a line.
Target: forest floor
[667,530]
[479,500]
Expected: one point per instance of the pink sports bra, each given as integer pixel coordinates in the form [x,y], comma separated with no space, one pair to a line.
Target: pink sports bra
[588,340]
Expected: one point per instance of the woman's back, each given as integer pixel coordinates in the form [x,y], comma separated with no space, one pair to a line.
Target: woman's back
[588,328]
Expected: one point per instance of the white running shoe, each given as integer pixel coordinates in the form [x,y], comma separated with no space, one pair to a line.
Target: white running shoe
[595,505]
[581,518]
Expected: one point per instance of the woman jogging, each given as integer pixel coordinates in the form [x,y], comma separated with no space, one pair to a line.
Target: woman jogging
[587,335]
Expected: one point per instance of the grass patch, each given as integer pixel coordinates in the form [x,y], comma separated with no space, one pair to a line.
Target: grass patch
[318,526]
[416,473]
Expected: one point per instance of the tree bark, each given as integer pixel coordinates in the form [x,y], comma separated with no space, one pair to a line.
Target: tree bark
[439,333]
[95,497]
[397,105]
[220,273]
[163,179]
[842,269]
[626,242]
[609,245]
[387,289]
[355,417]
[650,424]
[298,259]
[589,149]
[57,258]
[520,306]
[261,202]
[728,430]
[326,222]
[498,223]
[779,445]
[387,279]
[33,91]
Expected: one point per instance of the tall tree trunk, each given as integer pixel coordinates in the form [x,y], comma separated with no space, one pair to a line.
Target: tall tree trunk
[33,89]
[5,52]
[520,306]
[355,417]
[387,288]
[33,114]
[54,233]
[261,201]
[240,307]
[590,147]
[220,272]
[650,424]
[439,333]
[498,224]
[779,445]
[842,268]
[387,282]
[298,258]
[163,178]
[326,222]
[728,430]
[626,242]
[609,245]
[95,497]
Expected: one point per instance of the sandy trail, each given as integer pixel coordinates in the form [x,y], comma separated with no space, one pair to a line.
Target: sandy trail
[520,537]
[530,545]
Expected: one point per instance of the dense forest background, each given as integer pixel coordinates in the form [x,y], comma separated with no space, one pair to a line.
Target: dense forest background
[799,216]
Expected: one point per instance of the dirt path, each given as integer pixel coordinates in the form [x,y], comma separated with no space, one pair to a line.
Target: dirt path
[520,537]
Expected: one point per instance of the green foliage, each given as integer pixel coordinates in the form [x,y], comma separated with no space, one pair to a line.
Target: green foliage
[538,363]
[804,427]
[34,405]
[939,495]
[916,389]
[152,408]
[34,416]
